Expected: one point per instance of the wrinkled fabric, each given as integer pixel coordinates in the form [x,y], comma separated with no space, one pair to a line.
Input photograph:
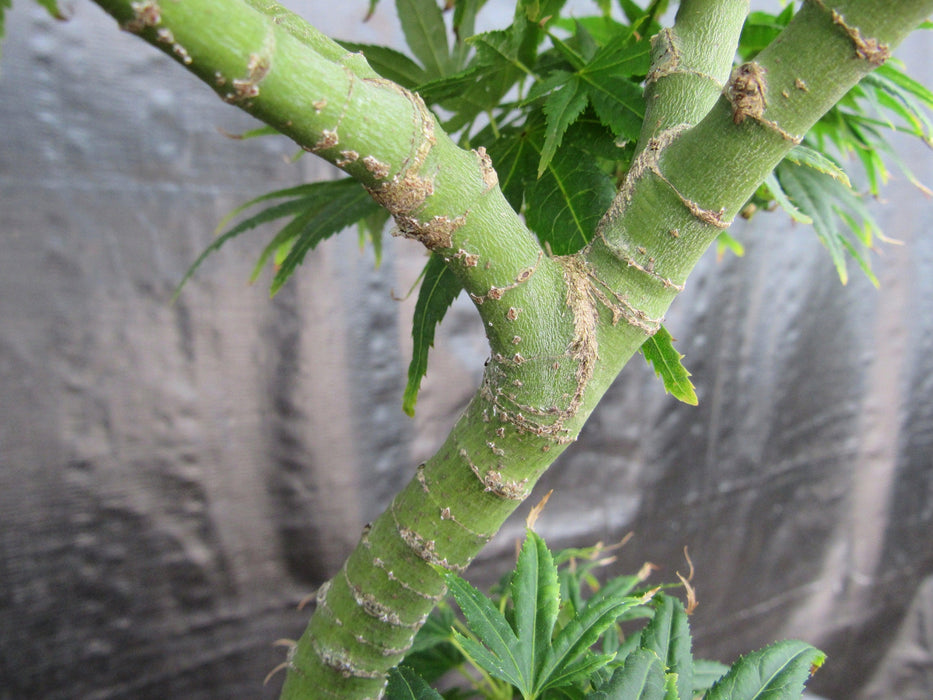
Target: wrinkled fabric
[175,478]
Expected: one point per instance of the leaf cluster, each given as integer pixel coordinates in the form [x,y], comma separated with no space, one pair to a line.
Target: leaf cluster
[552,632]
[557,102]
[811,185]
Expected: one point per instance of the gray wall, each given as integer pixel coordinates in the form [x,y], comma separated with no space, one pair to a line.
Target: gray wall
[175,478]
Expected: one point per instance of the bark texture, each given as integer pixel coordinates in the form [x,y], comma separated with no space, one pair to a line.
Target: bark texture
[85,428]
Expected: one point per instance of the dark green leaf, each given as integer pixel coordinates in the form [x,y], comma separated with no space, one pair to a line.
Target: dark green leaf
[480,86]
[901,79]
[571,52]
[535,595]
[622,58]
[390,64]
[561,108]
[497,48]
[618,102]
[438,291]
[641,678]
[585,41]
[647,24]
[436,630]
[579,670]
[426,34]
[617,587]
[450,86]
[660,353]
[591,136]
[799,185]
[668,636]
[515,160]
[564,206]
[602,29]
[503,668]
[405,684]
[496,653]
[777,672]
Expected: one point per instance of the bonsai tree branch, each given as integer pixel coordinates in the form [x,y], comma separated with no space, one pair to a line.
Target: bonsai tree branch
[560,328]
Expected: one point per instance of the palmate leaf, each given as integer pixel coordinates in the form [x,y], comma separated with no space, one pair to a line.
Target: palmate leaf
[668,636]
[405,684]
[826,200]
[777,672]
[577,636]
[344,204]
[660,353]
[761,28]
[291,207]
[520,649]
[438,290]
[318,210]
[603,82]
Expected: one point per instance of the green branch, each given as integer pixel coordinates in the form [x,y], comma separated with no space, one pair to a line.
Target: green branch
[559,328]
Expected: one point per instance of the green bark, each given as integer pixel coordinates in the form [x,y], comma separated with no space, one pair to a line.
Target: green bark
[560,328]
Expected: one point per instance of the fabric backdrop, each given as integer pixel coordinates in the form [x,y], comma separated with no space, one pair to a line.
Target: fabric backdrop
[175,478]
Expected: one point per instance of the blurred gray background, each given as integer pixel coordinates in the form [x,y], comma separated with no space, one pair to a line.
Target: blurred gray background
[175,478]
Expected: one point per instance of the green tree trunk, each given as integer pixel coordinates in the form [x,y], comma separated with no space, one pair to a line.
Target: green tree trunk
[559,328]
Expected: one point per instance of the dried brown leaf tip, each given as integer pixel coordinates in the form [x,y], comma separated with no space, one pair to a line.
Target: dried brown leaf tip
[535,512]
[691,591]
